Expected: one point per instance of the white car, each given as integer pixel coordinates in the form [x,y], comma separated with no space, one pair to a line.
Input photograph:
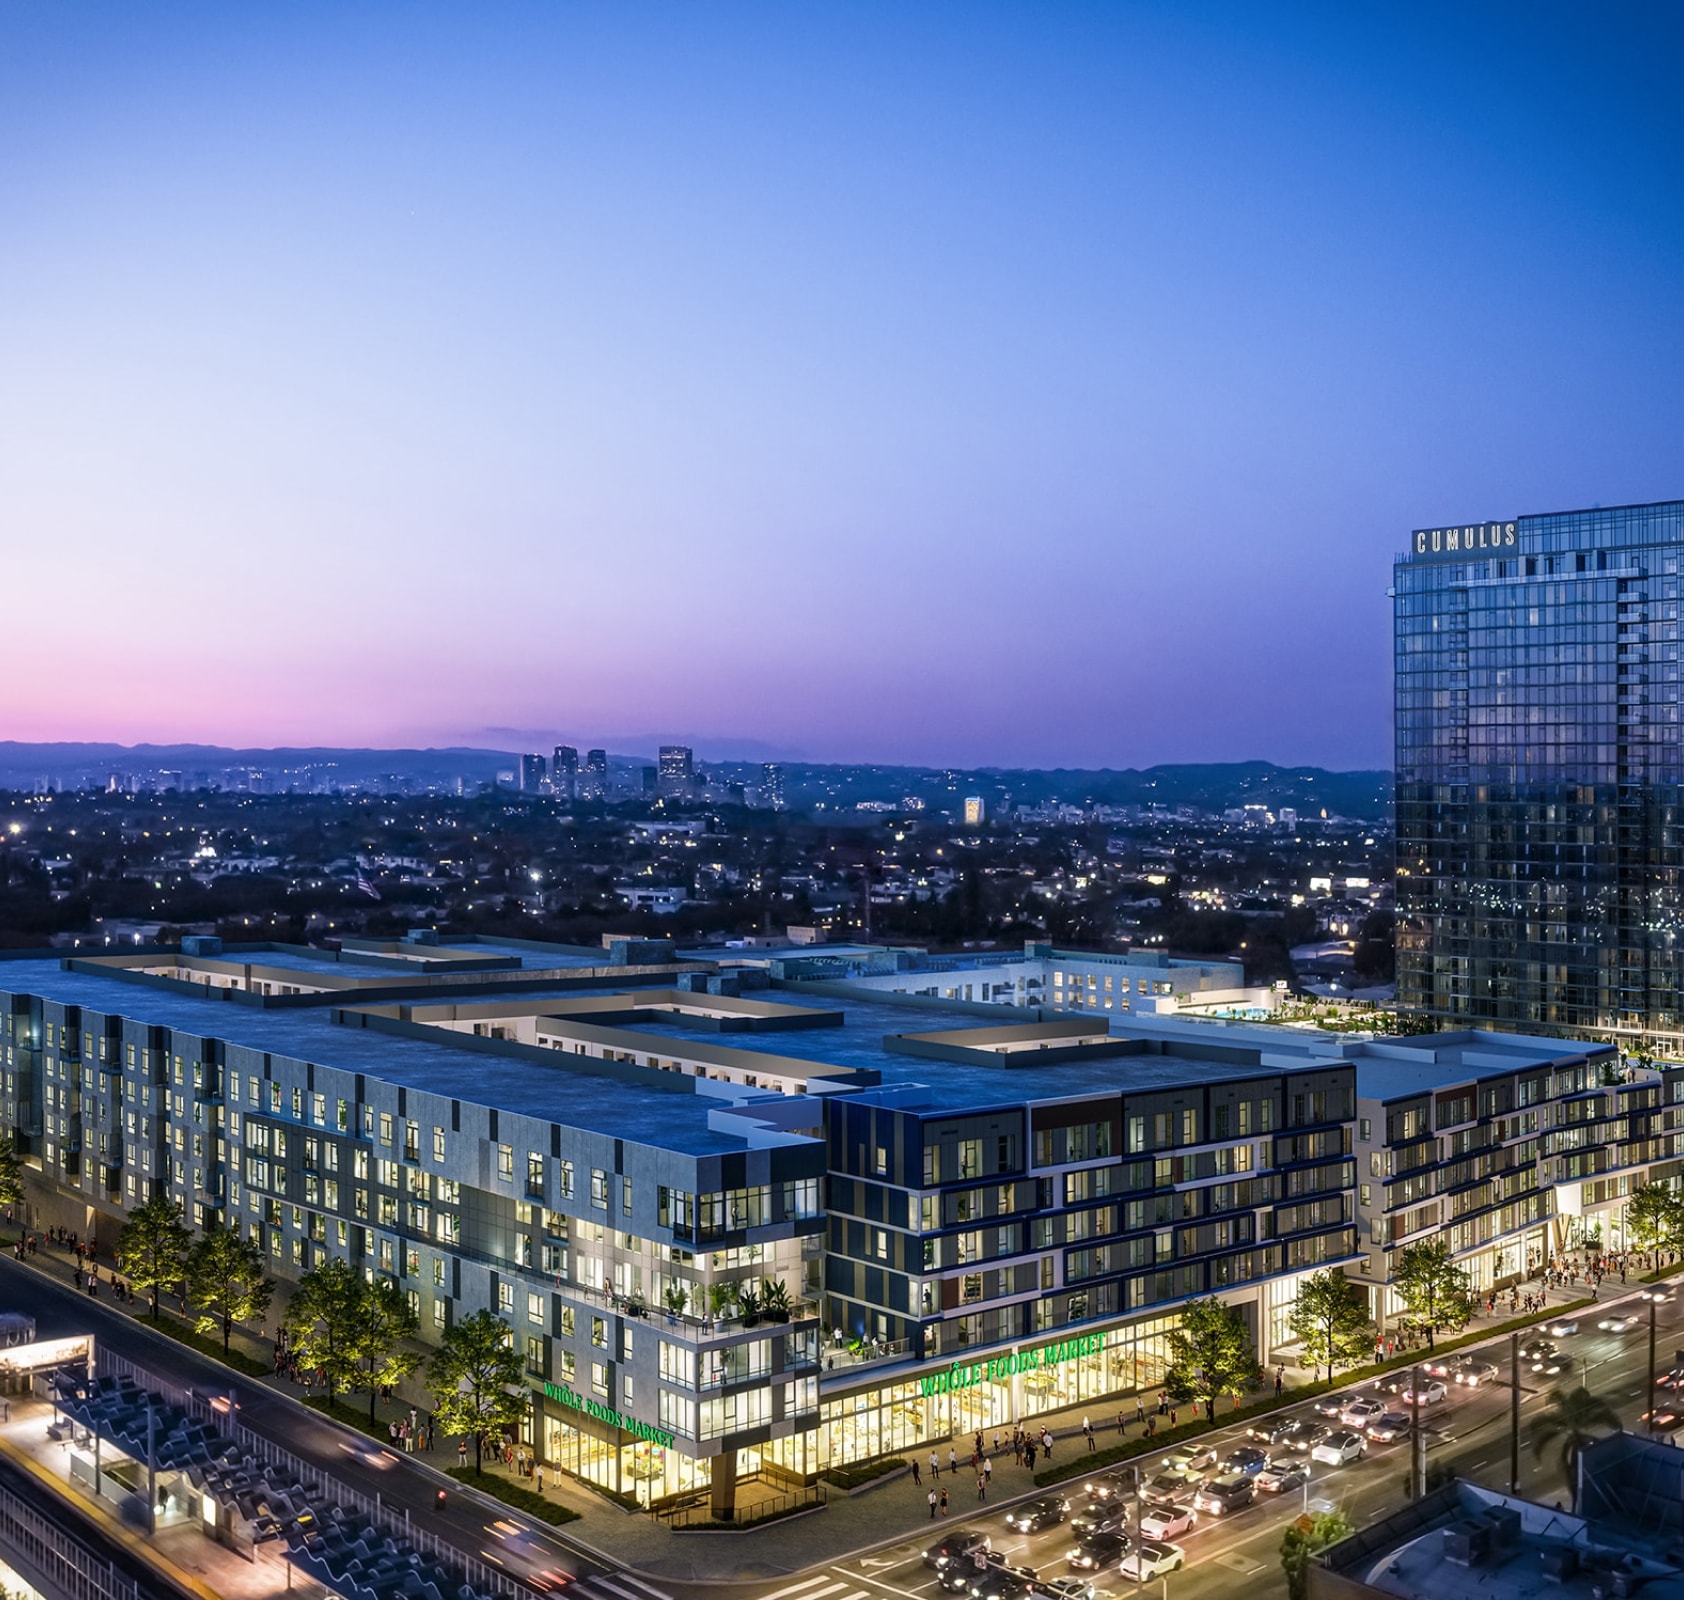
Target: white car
[1359,1413]
[1562,1327]
[1168,1522]
[1429,1394]
[1150,1560]
[1338,1448]
[1623,1323]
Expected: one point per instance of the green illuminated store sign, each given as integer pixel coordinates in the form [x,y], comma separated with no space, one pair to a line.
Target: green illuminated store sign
[615,1419]
[975,1372]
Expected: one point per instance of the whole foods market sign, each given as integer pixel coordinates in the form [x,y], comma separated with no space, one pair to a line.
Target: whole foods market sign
[564,1396]
[967,1376]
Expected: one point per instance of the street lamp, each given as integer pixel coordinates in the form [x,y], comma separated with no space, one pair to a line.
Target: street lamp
[1655,1297]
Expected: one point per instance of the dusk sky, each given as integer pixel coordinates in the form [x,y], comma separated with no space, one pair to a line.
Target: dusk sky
[983,384]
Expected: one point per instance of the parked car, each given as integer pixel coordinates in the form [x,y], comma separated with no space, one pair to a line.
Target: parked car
[1338,1448]
[957,1546]
[1247,1459]
[1283,1475]
[1563,1327]
[1270,1431]
[1098,1551]
[1624,1322]
[1473,1371]
[1232,1492]
[1169,1489]
[1359,1413]
[1390,1427]
[1151,1560]
[1038,1515]
[1330,1405]
[1191,1458]
[1429,1394]
[1168,1522]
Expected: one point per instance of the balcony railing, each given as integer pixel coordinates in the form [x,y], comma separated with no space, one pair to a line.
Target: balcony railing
[865,1353]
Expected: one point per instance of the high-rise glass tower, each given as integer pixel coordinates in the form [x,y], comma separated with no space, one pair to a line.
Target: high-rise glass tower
[1540,835]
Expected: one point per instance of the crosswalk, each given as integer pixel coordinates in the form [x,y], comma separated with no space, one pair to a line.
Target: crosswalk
[615,1586]
[821,1587]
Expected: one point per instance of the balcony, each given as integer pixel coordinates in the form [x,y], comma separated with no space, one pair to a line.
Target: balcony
[866,1353]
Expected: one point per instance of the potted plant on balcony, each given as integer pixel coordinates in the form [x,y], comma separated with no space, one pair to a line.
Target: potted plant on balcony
[636,1305]
[719,1297]
[748,1302]
[774,1300]
[677,1298]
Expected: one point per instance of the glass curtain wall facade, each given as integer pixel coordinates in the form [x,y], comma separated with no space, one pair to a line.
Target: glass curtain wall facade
[1538,769]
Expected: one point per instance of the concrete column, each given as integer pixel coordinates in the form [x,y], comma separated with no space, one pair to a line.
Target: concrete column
[723,1479]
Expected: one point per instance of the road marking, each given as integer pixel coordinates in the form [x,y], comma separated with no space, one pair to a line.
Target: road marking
[806,1590]
[603,1581]
[906,1594]
[647,1588]
[1235,1562]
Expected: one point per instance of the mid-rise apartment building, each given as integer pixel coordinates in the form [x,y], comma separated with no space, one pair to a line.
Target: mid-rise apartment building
[966,1215]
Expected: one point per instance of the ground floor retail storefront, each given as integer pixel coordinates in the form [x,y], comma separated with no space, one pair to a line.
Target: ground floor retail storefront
[1104,1371]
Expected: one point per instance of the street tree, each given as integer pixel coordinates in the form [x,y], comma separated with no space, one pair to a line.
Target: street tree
[11,1170]
[1330,1317]
[384,1324]
[1210,1355]
[152,1247]
[1436,1293]
[1306,1537]
[226,1282]
[325,1316]
[476,1379]
[1654,1216]
[1573,1418]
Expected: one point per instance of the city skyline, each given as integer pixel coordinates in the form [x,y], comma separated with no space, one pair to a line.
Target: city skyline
[1012,387]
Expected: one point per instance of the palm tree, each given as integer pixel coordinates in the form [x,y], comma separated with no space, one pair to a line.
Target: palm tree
[1571,1416]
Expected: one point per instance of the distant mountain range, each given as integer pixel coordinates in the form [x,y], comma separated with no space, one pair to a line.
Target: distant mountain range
[1209,786]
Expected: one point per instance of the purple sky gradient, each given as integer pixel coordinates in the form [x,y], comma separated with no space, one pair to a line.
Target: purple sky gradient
[979,383]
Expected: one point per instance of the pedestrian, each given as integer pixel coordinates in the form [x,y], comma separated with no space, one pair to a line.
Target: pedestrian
[944,1502]
[988,1468]
[1139,1408]
[953,1462]
[1087,1432]
[462,1452]
[1122,1424]
[981,1487]
[932,1500]
[540,1476]
[935,1465]
[916,1480]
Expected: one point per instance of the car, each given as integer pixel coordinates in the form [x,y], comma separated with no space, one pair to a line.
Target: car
[1038,1515]
[1247,1459]
[1389,1428]
[1061,1589]
[1101,1517]
[1624,1322]
[1001,1583]
[1169,1489]
[1472,1372]
[1548,1366]
[1429,1394]
[1232,1492]
[1168,1522]
[1563,1328]
[1535,1349]
[1117,1485]
[1305,1436]
[958,1576]
[1666,1418]
[957,1546]
[1331,1405]
[1191,1458]
[1338,1448]
[1098,1550]
[1283,1475]
[1359,1413]
[1438,1366]
[1151,1560]
[1671,1379]
[1270,1431]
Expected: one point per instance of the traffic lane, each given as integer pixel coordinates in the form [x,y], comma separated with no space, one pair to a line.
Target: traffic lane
[59,1311]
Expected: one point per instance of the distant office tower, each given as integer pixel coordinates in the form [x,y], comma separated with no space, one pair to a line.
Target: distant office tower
[594,784]
[1287,816]
[976,811]
[772,786]
[1539,782]
[678,765]
[649,776]
[564,772]
[531,774]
